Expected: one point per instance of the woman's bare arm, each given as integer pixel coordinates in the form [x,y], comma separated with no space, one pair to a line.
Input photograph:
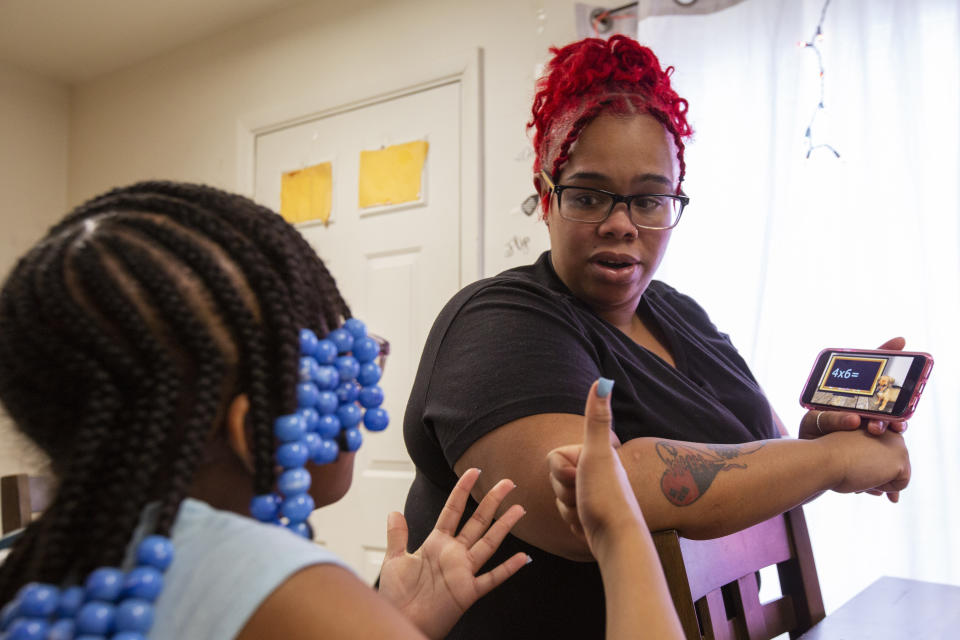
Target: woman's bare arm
[701,490]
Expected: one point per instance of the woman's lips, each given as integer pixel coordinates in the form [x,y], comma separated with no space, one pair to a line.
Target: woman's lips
[614,268]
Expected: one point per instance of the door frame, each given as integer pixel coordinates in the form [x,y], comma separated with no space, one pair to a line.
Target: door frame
[466,70]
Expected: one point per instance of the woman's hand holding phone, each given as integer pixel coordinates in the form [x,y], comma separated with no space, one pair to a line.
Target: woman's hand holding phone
[820,421]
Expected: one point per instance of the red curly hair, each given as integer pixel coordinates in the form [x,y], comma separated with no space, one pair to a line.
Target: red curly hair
[590,76]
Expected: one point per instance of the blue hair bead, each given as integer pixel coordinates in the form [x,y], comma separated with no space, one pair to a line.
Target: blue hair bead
[350,415]
[104,584]
[327,402]
[352,438]
[327,377]
[293,481]
[329,425]
[356,327]
[310,417]
[290,428]
[265,507]
[369,374]
[343,340]
[155,551]
[71,599]
[313,442]
[146,583]
[292,455]
[302,529]
[347,391]
[325,351]
[134,614]
[308,370]
[370,397]
[308,341]
[38,600]
[297,507]
[376,419]
[307,393]
[96,618]
[326,453]
[27,629]
[347,367]
[365,349]
[62,630]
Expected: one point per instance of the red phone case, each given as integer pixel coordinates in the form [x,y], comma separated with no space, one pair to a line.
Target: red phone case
[911,404]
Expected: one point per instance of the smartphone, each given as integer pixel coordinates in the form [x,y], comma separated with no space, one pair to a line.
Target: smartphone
[874,383]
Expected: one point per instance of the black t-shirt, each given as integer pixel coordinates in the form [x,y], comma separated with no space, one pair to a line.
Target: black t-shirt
[522,344]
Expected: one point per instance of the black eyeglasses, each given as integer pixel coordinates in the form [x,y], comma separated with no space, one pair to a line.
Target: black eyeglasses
[647,210]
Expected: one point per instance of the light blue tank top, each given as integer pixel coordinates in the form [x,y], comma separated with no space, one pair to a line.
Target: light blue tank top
[224,566]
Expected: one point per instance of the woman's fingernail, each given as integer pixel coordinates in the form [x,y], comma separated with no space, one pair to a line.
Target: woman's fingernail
[604,387]
[529,559]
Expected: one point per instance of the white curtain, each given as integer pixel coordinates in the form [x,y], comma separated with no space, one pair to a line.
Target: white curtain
[792,254]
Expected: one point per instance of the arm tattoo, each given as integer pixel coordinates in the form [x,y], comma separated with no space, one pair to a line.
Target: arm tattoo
[691,469]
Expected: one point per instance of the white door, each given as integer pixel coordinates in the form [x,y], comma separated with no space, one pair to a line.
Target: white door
[395,265]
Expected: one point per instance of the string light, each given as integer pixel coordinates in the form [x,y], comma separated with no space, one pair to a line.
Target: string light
[813,43]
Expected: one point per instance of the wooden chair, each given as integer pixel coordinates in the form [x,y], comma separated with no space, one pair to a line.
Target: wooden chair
[21,496]
[714,583]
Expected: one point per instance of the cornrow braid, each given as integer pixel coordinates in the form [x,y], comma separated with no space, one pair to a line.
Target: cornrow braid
[591,76]
[122,335]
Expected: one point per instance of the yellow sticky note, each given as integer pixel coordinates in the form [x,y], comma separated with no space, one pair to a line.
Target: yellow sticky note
[392,175]
[306,194]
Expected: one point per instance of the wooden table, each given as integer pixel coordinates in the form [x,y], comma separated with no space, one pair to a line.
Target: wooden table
[894,608]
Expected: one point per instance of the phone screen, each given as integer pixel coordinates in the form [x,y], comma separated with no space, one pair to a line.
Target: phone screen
[874,382]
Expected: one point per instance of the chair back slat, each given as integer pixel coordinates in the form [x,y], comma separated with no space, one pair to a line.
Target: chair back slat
[748,606]
[701,572]
[21,496]
[719,561]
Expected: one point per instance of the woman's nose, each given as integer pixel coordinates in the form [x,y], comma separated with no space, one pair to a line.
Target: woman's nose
[618,224]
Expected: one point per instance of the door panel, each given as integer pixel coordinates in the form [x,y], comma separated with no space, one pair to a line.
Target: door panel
[395,265]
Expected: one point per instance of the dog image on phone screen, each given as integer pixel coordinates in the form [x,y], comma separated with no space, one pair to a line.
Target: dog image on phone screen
[885,392]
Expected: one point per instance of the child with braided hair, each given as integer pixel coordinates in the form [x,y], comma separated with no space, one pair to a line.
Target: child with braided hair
[506,366]
[172,347]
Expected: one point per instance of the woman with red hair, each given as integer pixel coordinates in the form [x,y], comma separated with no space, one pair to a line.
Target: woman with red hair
[505,368]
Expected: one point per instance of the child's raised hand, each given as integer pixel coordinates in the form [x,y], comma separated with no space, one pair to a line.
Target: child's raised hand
[593,493]
[435,585]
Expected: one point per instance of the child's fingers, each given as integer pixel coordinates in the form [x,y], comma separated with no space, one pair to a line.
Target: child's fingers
[597,419]
[488,543]
[495,577]
[485,512]
[449,517]
[396,535]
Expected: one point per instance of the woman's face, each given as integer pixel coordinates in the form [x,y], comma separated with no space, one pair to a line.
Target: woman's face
[609,265]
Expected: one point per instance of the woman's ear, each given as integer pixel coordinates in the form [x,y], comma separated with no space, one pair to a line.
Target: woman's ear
[540,187]
[237,431]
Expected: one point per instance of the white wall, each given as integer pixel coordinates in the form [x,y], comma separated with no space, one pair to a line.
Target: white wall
[177,116]
[34,117]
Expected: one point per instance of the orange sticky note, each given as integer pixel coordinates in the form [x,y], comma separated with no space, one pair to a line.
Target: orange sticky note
[392,175]
[306,194]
